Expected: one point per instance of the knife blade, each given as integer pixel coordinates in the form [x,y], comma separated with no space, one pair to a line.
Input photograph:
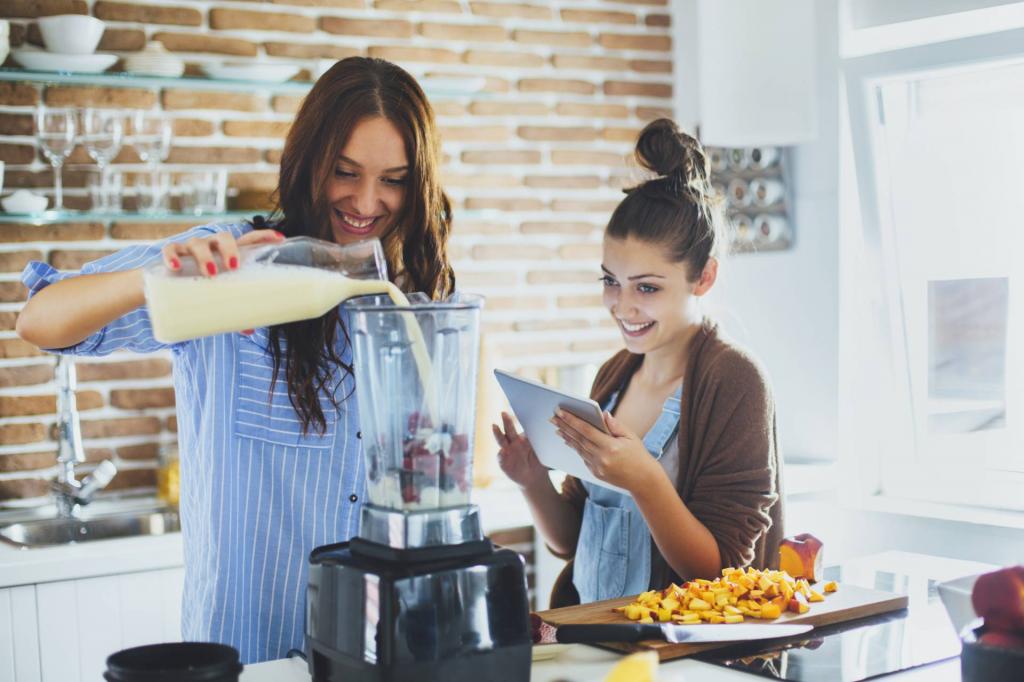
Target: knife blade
[674,633]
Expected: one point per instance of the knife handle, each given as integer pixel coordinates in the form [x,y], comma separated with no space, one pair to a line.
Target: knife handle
[610,632]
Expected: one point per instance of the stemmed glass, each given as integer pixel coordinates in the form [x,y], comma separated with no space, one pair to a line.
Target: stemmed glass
[102,132]
[56,129]
[151,137]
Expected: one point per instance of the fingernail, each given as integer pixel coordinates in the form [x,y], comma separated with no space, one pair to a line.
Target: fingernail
[279,235]
[233,262]
[211,268]
[175,264]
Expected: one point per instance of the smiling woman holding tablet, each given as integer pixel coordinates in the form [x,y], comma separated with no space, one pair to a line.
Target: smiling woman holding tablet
[690,472]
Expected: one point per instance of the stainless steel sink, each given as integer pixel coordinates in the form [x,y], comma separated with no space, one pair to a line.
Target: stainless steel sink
[49,532]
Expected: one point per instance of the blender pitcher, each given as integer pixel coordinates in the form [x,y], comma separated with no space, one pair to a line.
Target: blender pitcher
[416,372]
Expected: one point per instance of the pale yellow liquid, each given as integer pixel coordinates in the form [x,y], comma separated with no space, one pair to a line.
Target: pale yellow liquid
[184,308]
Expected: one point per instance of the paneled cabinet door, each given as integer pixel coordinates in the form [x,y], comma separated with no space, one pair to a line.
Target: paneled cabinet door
[81,622]
[19,635]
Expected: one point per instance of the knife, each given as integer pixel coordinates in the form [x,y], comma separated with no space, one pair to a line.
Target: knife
[670,632]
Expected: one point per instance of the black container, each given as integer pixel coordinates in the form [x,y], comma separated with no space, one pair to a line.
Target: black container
[983,662]
[175,662]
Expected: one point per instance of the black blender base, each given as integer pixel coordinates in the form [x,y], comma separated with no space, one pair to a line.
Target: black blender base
[509,664]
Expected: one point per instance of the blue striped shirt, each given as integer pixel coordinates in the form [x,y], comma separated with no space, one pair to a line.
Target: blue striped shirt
[256,494]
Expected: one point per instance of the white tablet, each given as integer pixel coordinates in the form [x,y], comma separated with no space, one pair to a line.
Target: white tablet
[534,404]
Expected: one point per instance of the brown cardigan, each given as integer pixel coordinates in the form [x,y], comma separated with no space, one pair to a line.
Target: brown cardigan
[730,473]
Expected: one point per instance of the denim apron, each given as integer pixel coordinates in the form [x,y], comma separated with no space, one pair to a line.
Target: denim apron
[613,553]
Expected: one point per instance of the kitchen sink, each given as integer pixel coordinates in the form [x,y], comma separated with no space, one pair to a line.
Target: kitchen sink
[50,532]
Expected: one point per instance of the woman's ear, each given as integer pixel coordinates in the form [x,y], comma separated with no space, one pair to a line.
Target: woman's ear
[707,278]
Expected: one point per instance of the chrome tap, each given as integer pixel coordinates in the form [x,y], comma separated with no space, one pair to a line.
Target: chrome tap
[69,493]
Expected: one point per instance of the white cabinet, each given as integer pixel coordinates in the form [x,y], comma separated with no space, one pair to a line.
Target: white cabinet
[63,631]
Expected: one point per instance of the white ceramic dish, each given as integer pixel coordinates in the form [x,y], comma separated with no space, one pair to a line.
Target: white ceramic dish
[70,33]
[38,60]
[956,597]
[274,73]
[24,201]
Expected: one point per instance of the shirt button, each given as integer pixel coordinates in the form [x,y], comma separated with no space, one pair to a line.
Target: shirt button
[353,498]
[359,434]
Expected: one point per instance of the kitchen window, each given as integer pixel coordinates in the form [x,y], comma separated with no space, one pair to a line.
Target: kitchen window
[938,270]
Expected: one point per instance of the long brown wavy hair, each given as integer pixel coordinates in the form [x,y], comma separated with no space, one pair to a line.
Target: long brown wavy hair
[416,241]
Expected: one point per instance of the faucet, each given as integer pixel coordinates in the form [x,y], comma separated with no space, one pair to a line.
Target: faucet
[69,493]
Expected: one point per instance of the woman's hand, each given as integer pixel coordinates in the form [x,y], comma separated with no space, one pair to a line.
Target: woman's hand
[516,456]
[620,458]
[223,243]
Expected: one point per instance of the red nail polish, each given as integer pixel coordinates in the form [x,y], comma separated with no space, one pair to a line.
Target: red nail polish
[175,264]
[211,268]
[233,262]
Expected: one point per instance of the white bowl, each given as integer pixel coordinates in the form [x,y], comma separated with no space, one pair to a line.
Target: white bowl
[71,33]
[37,60]
[956,597]
[269,73]
[23,201]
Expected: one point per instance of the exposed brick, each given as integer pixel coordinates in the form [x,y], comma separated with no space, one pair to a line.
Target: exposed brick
[24,488]
[369,28]
[516,349]
[19,434]
[491,83]
[660,20]
[17,153]
[143,398]
[637,89]
[16,348]
[127,426]
[338,4]
[79,155]
[28,405]
[550,325]
[651,113]
[287,104]
[200,42]
[557,227]
[581,301]
[142,451]
[477,133]
[651,65]
[74,260]
[264,181]
[147,231]
[16,124]
[617,134]
[591,62]
[553,38]
[133,478]
[561,276]
[147,14]
[449,109]
[517,302]
[19,94]
[512,252]
[608,345]
[432,6]
[122,40]
[504,204]
[25,375]
[415,54]
[592,110]
[227,19]
[213,155]
[476,279]
[81,96]
[15,261]
[559,85]
[502,156]
[13,292]
[61,232]
[592,16]
[273,156]
[276,129]
[557,134]
[584,206]
[29,9]
[149,368]
[484,32]
[482,227]
[251,200]
[586,251]
[172,424]
[476,180]
[502,58]
[635,41]
[27,461]
[659,3]
[194,99]
[510,10]
[16,35]
[485,108]
[192,127]
[582,157]
[7,320]
[562,181]
[310,50]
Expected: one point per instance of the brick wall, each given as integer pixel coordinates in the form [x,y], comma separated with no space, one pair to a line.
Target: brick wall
[535,164]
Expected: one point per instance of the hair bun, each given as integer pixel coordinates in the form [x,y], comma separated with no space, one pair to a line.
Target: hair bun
[666,150]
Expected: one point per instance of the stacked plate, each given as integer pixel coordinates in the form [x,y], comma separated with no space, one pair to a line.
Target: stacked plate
[154,60]
[71,41]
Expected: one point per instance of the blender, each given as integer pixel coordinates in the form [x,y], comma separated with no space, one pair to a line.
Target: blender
[419,593]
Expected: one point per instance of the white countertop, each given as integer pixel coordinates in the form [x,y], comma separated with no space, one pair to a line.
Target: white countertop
[578,663]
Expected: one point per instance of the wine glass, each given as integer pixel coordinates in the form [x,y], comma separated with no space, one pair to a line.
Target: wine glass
[56,129]
[102,132]
[151,137]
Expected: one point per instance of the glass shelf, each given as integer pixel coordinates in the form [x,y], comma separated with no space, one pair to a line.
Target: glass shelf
[438,87]
[53,217]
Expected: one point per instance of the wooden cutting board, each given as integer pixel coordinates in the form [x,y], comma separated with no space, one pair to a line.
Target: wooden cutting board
[848,603]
